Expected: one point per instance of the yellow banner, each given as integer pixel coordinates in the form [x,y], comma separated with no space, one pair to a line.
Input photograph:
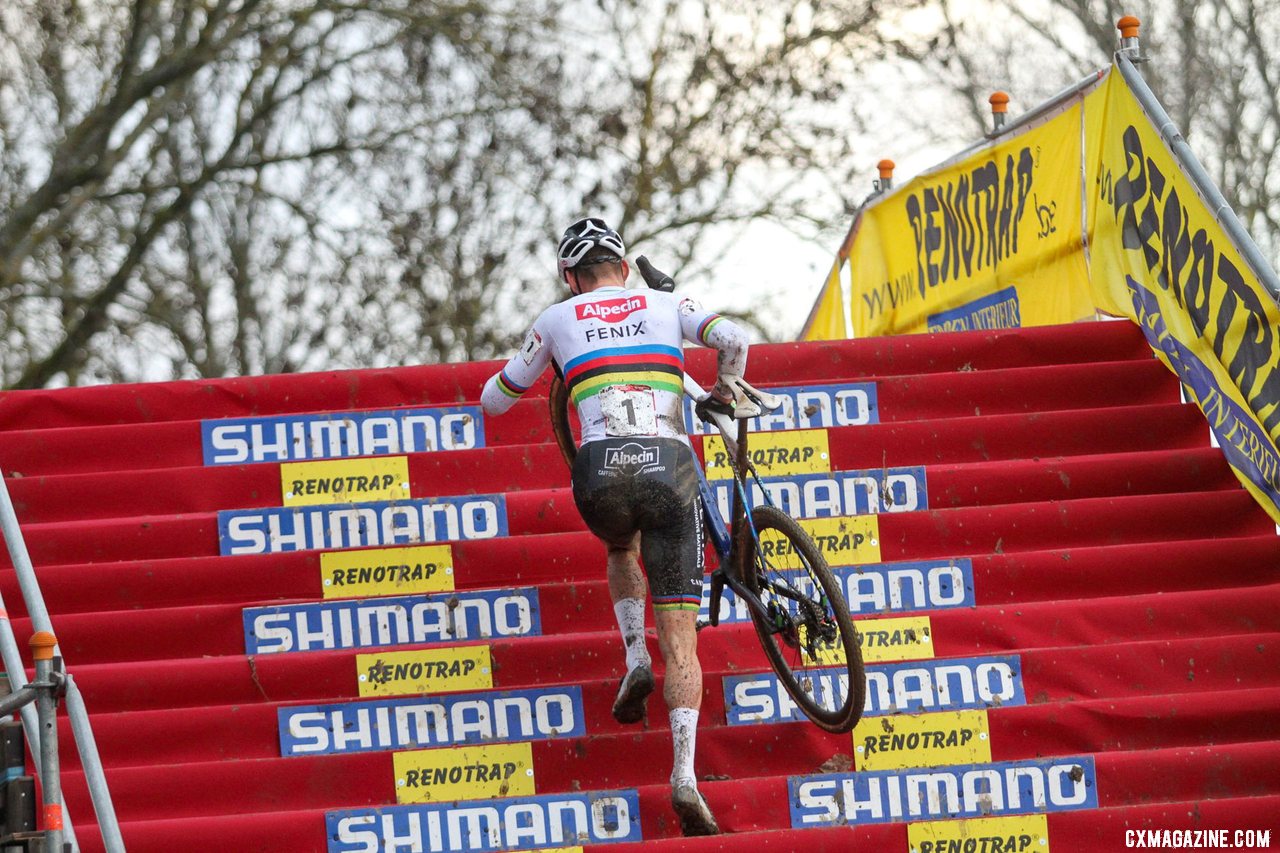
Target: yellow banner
[827,319]
[881,640]
[1161,259]
[464,773]
[775,454]
[386,571]
[996,240]
[345,481]
[845,540]
[926,740]
[991,241]
[416,673]
[1019,832]
[897,638]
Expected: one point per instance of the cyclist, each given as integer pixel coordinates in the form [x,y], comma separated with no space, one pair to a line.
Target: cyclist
[619,352]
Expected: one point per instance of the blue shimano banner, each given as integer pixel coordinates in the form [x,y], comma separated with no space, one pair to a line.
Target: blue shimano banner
[944,793]
[1245,443]
[808,407]
[420,722]
[479,826]
[874,589]
[950,684]
[380,523]
[337,435]
[447,617]
[999,310]
[838,493]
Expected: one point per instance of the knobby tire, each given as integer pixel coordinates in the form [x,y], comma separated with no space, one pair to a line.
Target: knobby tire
[558,401]
[753,572]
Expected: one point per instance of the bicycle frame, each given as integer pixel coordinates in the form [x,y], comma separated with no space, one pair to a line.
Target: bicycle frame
[728,539]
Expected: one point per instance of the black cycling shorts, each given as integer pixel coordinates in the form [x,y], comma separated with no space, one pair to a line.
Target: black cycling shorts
[650,485]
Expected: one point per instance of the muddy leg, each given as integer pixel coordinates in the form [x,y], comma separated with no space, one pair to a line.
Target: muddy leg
[627,588]
[678,640]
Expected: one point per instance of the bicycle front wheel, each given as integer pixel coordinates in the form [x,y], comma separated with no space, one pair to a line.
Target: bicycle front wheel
[807,635]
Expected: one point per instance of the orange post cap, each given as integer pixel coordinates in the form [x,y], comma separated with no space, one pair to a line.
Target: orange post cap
[42,645]
[1128,26]
[886,168]
[999,102]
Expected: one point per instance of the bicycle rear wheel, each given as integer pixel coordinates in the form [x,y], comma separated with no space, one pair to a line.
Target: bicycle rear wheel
[558,402]
[808,637]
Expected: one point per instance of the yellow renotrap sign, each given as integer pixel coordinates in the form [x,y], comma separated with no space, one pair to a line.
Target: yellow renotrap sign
[422,671]
[899,741]
[881,640]
[1014,833]
[775,454]
[464,773]
[386,571]
[339,481]
[843,540]
[898,638]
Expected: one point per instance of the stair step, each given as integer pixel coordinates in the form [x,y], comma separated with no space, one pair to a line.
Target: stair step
[1095,829]
[1144,779]
[929,396]
[1051,674]
[440,384]
[516,468]
[141,739]
[1013,576]
[941,533]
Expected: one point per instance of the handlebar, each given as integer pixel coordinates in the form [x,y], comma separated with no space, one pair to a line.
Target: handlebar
[749,402]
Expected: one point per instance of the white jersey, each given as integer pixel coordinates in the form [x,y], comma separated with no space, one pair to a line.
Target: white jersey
[620,353]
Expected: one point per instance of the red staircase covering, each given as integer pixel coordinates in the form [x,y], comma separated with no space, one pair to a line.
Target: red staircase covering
[1091,634]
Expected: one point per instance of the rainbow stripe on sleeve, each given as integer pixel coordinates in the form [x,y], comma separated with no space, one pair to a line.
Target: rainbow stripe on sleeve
[705,327]
[511,389]
[677,602]
[651,366]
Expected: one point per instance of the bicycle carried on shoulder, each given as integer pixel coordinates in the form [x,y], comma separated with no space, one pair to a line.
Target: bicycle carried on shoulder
[774,567]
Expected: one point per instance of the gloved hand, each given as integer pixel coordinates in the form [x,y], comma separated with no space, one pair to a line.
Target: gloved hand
[731,387]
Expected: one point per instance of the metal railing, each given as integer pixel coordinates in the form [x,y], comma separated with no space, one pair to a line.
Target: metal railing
[37,735]
[44,692]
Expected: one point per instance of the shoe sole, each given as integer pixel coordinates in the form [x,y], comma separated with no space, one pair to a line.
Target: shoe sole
[629,707]
[695,816]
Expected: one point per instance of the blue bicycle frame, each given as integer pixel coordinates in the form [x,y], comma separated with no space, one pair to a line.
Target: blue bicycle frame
[722,535]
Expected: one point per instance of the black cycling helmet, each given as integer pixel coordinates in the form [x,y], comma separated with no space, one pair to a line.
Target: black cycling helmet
[581,238]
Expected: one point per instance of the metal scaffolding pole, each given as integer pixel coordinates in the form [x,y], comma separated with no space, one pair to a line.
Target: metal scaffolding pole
[76,711]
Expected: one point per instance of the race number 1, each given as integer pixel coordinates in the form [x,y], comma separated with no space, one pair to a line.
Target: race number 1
[628,410]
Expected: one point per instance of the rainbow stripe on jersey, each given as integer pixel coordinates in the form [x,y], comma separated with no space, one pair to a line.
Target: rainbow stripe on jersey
[651,366]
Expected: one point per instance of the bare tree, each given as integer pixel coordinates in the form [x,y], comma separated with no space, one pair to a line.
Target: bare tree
[183,183]
[214,187]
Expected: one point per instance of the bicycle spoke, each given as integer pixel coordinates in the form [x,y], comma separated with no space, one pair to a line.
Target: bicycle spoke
[808,635]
